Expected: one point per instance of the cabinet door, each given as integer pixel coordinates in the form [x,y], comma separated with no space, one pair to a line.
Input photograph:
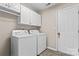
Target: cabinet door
[35,19]
[25,15]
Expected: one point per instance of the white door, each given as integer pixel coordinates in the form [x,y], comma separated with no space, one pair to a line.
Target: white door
[35,19]
[25,15]
[68,30]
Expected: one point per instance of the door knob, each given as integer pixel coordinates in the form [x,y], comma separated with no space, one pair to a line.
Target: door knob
[78,31]
[58,34]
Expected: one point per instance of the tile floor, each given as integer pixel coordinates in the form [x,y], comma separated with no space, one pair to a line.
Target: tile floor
[49,52]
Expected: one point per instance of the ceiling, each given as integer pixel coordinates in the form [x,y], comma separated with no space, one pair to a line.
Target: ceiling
[39,6]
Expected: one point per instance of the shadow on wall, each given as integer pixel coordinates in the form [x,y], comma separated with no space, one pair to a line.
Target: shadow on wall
[6,49]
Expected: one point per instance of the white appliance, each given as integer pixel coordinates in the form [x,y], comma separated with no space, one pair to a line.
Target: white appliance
[23,44]
[41,40]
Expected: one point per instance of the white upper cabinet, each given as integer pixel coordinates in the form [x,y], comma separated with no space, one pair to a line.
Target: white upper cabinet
[25,15]
[29,17]
[35,19]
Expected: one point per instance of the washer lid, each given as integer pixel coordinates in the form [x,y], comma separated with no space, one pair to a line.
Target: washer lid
[20,32]
[34,32]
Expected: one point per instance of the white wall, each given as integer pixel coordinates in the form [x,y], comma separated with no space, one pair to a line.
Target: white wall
[49,23]
[49,26]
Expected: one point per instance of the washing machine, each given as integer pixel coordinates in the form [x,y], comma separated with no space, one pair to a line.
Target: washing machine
[41,40]
[23,44]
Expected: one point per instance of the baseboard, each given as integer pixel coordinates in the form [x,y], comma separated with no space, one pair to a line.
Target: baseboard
[52,48]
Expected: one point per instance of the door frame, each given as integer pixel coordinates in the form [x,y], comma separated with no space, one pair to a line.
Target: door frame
[56,30]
